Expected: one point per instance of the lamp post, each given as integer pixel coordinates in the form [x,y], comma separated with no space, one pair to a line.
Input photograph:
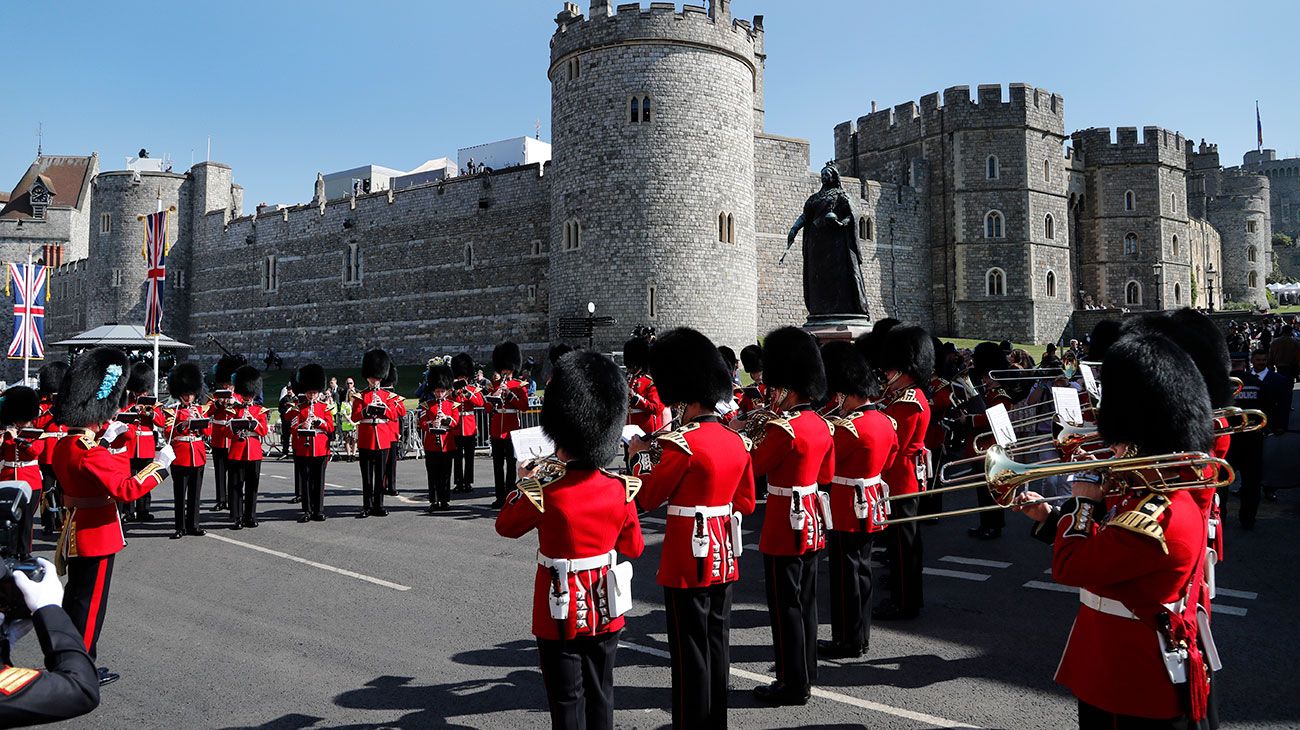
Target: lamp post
[1158,269]
[1209,284]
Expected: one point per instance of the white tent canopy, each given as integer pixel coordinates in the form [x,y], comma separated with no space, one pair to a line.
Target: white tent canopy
[120,335]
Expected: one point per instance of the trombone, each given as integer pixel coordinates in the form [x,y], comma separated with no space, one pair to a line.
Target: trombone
[1006,478]
[1014,374]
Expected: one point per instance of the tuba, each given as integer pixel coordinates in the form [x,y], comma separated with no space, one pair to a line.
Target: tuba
[756,420]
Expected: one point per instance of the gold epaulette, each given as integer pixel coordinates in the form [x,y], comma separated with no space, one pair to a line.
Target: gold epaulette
[909,396]
[678,437]
[744,440]
[532,489]
[631,484]
[150,470]
[892,422]
[783,424]
[1142,519]
[13,679]
[87,440]
[846,424]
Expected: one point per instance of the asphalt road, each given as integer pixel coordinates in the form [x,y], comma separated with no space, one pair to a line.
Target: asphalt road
[413,621]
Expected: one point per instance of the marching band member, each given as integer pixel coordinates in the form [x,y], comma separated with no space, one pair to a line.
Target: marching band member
[21,447]
[394,429]
[187,426]
[907,357]
[645,407]
[584,517]
[467,397]
[797,453]
[946,394]
[47,385]
[373,409]
[140,441]
[865,443]
[986,358]
[439,418]
[750,399]
[223,373]
[508,398]
[705,476]
[94,480]
[312,422]
[245,430]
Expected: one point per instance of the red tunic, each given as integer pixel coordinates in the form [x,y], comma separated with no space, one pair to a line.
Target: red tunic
[375,433]
[399,408]
[865,443]
[980,421]
[93,482]
[747,402]
[704,465]
[941,402]
[644,407]
[220,416]
[587,513]
[468,398]
[317,417]
[20,460]
[186,442]
[53,431]
[796,452]
[504,419]
[246,444]
[140,439]
[444,442]
[1143,557]
[907,473]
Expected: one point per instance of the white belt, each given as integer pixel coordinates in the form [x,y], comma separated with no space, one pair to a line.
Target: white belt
[54,434]
[708,512]
[791,491]
[577,564]
[17,464]
[1112,607]
[221,423]
[847,482]
[374,421]
[188,439]
[507,411]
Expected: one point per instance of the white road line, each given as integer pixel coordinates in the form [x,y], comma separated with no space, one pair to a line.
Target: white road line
[1247,595]
[824,693]
[304,561]
[276,476]
[1047,572]
[956,574]
[974,561]
[1045,586]
[1217,609]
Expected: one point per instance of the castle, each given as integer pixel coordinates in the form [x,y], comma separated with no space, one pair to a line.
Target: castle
[667,203]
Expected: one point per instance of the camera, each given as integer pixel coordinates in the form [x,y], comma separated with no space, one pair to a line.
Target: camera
[14,497]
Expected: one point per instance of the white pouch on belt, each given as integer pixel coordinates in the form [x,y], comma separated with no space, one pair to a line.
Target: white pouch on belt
[824,500]
[798,515]
[699,535]
[737,544]
[559,598]
[861,507]
[618,587]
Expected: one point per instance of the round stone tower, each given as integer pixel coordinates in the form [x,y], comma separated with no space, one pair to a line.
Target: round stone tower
[1240,211]
[115,284]
[652,178]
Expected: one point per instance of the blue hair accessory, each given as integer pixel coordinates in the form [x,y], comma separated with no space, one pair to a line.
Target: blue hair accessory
[111,376]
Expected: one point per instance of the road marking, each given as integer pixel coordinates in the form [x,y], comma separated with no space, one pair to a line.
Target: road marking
[1247,595]
[974,561]
[1227,610]
[312,563]
[956,574]
[1045,586]
[276,476]
[824,693]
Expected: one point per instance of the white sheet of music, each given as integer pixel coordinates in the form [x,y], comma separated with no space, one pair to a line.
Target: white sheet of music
[1000,423]
[531,443]
[1068,408]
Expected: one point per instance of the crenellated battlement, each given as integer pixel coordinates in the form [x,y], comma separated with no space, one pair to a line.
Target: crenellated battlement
[1101,146]
[697,26]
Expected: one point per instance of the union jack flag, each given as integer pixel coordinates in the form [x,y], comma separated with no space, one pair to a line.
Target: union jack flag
[155,256]
[28,285]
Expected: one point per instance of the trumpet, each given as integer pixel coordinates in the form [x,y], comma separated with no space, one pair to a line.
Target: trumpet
[654,451]
[1006,478]
[548,468]
[1071,437]
[756,421]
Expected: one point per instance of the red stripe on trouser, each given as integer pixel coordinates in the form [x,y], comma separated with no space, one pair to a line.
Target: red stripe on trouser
[96,597]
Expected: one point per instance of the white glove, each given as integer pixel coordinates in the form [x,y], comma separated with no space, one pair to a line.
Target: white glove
[113,430]
[164,456]
[48,592]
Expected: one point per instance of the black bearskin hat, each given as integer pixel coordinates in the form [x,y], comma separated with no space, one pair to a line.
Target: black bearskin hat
[223,373]
[791,360]
[390,380]
[985,357]
[1155,398]
[687,368]
[438,377]
[751,358]
[310,377]
[19,404]
[505,356]
[1202,341]
[94,389]
[909,350]
[1104,334]
[185,379]
[586,407]
[50,376]
[636,354]
[375,364]
[872,344]
[248,382]
[462,365]
[141,379]
[728,357]
[558,351]
[847,370]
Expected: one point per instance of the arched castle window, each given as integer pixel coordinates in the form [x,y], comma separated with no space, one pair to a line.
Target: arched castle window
[572,234]
[1133,293]
[1051,284]
[469,255]
[993,224]
[270,274]
[1047,170]
[639,109]
[1049,227]
[1178,293]
[865,231]
[1250,254]
[1251,226]
[1130,200]
[575,68]
[731,228]
[1131,244]
[653,301]
[995,282]
[726,227]
[1175,242]
[991,168]
[1252,280]
[1173,202]
[105,222]
[352,265]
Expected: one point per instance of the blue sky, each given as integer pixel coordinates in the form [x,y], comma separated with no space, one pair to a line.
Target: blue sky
[287,88]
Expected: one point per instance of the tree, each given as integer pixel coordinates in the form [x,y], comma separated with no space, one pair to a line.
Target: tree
[1283,240]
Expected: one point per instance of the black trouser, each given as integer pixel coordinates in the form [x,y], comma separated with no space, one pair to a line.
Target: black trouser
[1247,457]
[390,468]
[286,436]
[438,466]
[85,597]
[791,582]
[579,678]
[503,467]
[1095,718]
[186,483]
[903,553]
[141,505]
[219,458]
[51,516]
[297,478]
[760,487]
[994,519]
[244,477]
[932,504]
[850,575]
[373,462]
[312,469]
[27,521]
[463,461]
[699,631]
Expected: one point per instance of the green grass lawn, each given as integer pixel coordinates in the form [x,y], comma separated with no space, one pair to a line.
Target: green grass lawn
[1288,309]
[1035,351]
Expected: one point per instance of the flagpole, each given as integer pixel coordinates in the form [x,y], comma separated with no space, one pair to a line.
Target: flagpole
[27,349]
[158,335]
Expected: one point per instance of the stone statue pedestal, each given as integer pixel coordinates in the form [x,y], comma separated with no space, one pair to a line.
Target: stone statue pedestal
[830,327]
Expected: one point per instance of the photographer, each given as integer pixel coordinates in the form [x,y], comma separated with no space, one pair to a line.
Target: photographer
[68,686]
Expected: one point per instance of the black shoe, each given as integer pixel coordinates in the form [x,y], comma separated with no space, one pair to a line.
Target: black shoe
[220,507]
[250,523]
[318,517]
[196,532]
[777,693]
[177,535]
[1270,496]
[304,518]
[236,526]
[362,515]
[430,509]
[985,533]
[107,677]
[49,534]
[144,517]
[379,512]
[839,649]
[498,503]
[890,611]
[444,505]
[391,492]
[295,500]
